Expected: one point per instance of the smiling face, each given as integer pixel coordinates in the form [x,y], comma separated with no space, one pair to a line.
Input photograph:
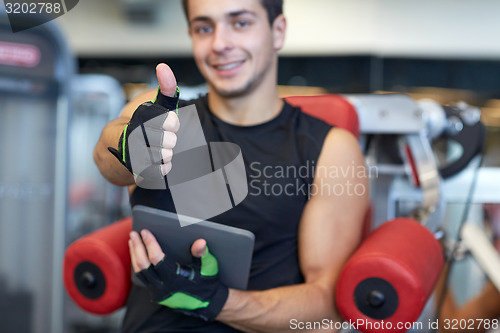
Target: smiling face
[234,45]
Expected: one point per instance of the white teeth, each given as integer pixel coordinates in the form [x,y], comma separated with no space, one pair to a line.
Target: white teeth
[228,66]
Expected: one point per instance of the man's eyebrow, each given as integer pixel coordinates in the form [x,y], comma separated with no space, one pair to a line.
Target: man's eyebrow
[200,19]
[240,12]
[230,14]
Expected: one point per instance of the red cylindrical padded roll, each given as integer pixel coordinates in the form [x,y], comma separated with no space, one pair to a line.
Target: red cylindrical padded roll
[97,268]
[386,283]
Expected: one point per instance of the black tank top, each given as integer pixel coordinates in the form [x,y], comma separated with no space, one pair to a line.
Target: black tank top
[280,158]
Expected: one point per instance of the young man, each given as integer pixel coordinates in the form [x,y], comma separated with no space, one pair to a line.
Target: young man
[302,239]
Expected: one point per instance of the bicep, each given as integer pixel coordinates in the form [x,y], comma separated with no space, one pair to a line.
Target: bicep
[331,224]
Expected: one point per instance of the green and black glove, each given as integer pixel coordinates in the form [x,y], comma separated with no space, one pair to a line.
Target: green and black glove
[194,290]
[141,155]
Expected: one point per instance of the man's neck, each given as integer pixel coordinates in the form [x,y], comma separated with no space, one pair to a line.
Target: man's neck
[259,106]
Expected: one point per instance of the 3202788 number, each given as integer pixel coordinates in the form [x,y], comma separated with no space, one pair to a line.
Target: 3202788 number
[33,8]
[469,324]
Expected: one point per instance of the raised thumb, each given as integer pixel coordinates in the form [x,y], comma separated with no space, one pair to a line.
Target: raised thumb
[166,80]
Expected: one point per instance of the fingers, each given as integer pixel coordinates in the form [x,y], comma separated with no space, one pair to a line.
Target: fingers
[165,168]
[157,164]
[170,127]
[145,251]
[166,80]
[166,155]
[160,138]
[138,253]
[172,122]
[154,251]
[162,135]
[156,155]
[162,156]
[198,248]
[133,259]
[169,140]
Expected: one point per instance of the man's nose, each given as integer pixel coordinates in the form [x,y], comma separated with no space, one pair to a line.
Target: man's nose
[222,40]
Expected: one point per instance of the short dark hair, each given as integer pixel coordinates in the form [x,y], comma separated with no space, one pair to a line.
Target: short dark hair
[273,8]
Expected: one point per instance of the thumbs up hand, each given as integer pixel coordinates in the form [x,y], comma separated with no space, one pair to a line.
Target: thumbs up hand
[146,144]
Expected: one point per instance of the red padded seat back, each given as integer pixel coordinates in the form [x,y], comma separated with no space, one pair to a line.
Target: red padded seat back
[333,109]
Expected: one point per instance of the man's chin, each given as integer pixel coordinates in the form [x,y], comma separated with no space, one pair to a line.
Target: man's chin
[233,92]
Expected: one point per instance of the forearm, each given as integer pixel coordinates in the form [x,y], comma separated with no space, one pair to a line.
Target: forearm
[107,164]
[279,309]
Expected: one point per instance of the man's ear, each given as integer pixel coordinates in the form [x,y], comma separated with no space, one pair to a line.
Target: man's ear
[279,32]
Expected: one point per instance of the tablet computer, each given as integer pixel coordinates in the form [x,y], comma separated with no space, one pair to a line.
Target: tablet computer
[233,247]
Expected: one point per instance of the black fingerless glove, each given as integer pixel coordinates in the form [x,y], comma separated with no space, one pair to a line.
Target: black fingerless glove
[145,143]
[194,290]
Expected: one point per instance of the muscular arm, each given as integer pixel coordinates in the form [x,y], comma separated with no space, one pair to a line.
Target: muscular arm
[107,164]
[330,230]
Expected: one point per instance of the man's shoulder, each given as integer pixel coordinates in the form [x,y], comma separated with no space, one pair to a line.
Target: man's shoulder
[341,141]
[306,117]
[308,124]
